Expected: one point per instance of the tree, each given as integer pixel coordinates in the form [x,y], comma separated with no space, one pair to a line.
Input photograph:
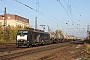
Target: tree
[10,34]
[58,32]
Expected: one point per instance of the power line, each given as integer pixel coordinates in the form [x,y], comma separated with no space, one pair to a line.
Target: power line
[27,13]
[77,12]
[45,15]
[25,5]
[69,9]
[14,7]
[64,9]
[39,5]
[76,8]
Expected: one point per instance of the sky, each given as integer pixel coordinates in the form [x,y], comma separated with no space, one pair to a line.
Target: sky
[70,16]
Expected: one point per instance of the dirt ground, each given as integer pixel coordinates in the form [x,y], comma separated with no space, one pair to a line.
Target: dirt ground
[71,52]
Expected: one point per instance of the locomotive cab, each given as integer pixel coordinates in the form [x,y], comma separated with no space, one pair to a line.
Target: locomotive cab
[22,38]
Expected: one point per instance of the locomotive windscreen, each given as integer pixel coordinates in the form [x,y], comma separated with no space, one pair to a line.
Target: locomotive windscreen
[22,32]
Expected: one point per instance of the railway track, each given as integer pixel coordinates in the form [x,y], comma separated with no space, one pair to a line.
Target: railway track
[68,52]
[8,47]
[15,54]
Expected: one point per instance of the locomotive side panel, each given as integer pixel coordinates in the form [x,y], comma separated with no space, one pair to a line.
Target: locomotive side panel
[45,37]
[36,38]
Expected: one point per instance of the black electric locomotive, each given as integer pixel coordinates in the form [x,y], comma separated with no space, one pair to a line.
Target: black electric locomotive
[31,37]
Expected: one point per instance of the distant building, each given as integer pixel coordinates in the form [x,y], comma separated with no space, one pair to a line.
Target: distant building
[14,20]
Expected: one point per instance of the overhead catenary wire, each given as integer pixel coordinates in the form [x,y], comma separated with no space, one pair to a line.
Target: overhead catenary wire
[15,7]
[65,9]
[49,10]
[69,9]
[40,5]
[42,13]
[76,9]
[12,6]
[25,5]
[78,14]
[28,13]
[34,10]
[45,15]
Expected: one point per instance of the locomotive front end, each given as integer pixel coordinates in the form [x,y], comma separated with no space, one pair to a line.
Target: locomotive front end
[21,38]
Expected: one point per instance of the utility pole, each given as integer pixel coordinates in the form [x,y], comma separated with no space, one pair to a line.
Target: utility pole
[48,29]
[43,26]
[5,25]
[88,32]
[37,6]
[5,22]
[35,22]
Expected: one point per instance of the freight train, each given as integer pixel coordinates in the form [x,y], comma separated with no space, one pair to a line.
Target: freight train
[31,36]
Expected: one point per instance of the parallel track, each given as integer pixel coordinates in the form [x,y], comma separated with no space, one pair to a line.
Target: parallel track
[66,53]
[10,56]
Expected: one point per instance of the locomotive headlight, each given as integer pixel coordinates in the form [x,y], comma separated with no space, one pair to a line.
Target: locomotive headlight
[27,41]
